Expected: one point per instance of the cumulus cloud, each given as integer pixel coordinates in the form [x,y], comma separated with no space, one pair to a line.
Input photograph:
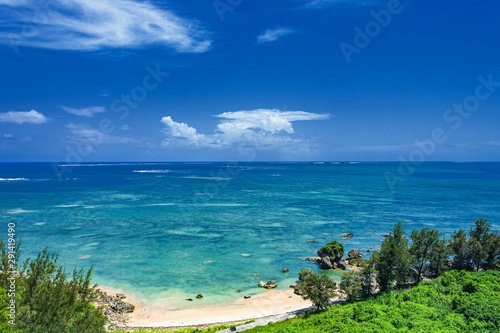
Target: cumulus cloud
[271,35]
[96,24]
[261,128]
[21,117]
[84,112]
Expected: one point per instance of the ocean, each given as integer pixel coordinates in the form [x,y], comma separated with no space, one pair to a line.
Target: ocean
[168,231]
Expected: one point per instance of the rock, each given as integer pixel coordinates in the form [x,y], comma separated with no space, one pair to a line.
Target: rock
[312,241]
[268,285]
[293,286]
[244,254]
[256,274]
[285,270]
[189,299]
[121,307]
[199,296]
[325,263]
[316,259]
[121,296]
[299,258]
[341,264]
[232,328]
[297,291]
[354,254]
[246,297]
[239,291]
[373,230]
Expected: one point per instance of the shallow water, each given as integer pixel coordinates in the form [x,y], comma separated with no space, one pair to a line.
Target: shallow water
[168,231]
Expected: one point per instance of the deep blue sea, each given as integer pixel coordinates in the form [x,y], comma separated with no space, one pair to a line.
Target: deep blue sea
[168,231]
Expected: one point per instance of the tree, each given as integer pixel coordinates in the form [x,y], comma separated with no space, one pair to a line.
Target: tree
[318,288]
[367,278]
[350,284]
[479,243]
[423,241]
[439,262]
[392,261]
[460,249]
[48,299]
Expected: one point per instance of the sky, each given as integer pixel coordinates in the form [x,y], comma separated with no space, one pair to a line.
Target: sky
[241,80]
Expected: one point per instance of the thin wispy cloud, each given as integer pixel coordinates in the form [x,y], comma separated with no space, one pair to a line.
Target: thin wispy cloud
[84,112]
[97,24]
[8,136]
[319,4]
[263,129]
[21,117]
[271,35]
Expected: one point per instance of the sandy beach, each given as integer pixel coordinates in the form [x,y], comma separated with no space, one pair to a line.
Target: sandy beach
[268,303]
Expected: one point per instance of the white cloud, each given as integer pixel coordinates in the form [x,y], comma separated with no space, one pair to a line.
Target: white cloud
[96,24]
[84,112]
[95,137]
[8,136]
[271,35]
[494,143]
[318,4]
[264,129]
[125,128]
[21,117]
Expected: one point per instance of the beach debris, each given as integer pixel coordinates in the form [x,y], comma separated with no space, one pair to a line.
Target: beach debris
[312,241]
[268,285]
[189,299]
[285,270]
[256,274]
[208,262]
[84,257]
[199,296]
[244,254]
[246,297]
[316,259]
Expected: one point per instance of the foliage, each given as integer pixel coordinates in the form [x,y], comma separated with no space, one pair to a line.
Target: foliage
[210,329]
[318,288]
[350,284]
[367,278]
[392,261]
[48,301]
[480,251]
[421,251]
[332,249]
[455,302]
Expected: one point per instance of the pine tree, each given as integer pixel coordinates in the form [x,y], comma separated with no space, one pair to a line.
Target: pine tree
[421,251]
[392,261]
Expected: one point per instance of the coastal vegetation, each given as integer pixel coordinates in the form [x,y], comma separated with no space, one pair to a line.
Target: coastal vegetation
[39,296]
[458,301]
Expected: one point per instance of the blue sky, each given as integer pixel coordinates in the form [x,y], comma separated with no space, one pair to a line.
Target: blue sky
[205,80]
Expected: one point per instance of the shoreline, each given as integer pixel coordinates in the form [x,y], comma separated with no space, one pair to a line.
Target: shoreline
[269,303]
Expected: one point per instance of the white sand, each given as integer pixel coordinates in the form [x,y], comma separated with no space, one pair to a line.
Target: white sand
[271,302]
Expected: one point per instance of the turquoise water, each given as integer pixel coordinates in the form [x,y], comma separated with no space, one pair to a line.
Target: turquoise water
[168,231]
